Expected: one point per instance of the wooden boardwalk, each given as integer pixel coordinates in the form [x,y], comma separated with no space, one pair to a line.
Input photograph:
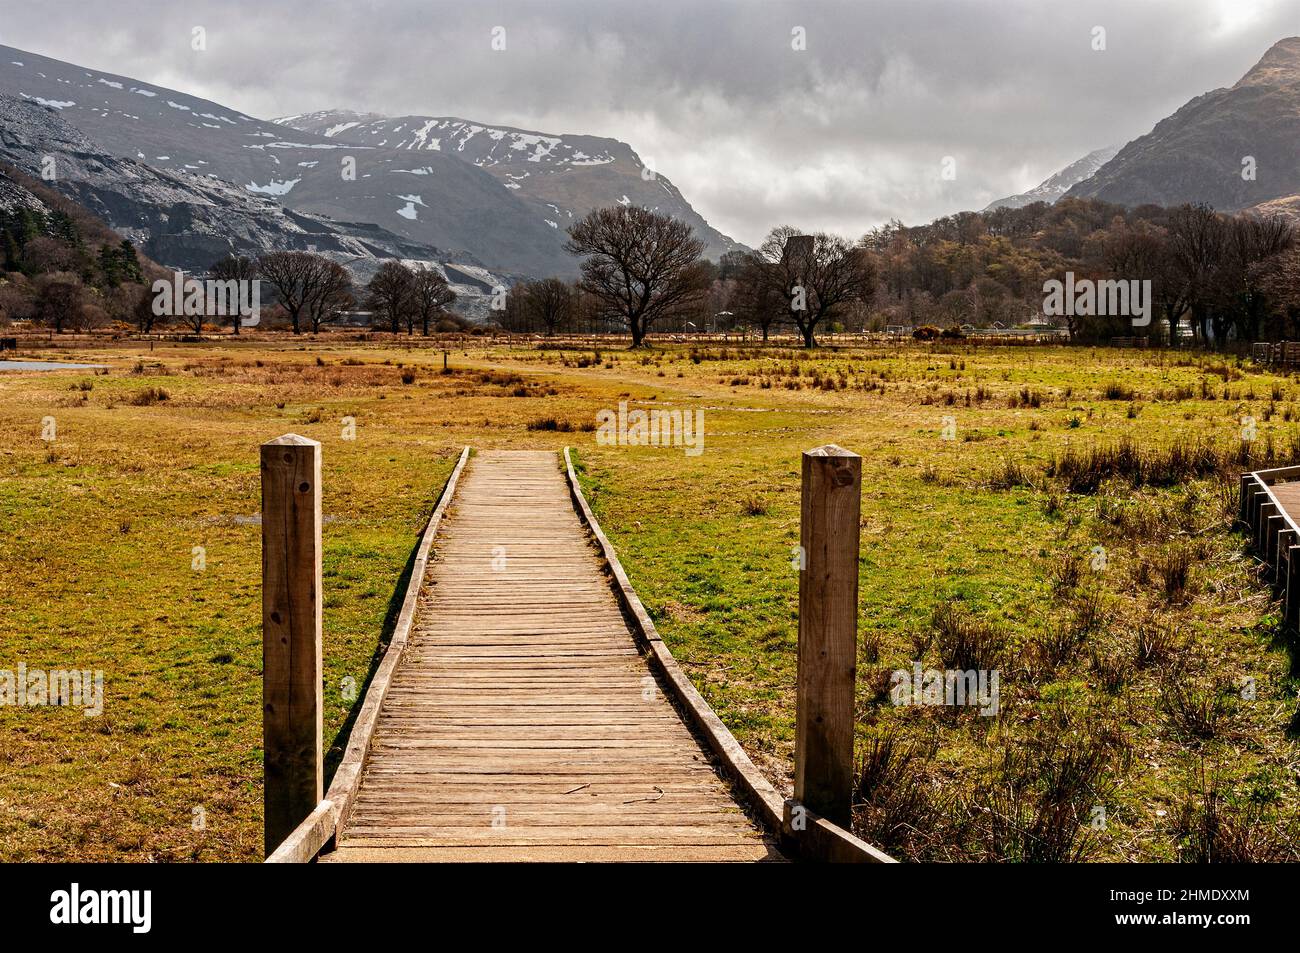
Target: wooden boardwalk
[522,722]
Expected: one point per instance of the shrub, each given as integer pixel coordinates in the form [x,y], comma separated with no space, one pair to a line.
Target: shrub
[965,642]
[1210,829]
[1194,710]
[892,805]
[550,423]
[148,397]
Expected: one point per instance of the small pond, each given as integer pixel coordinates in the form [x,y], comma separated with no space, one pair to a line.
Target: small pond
[46,366]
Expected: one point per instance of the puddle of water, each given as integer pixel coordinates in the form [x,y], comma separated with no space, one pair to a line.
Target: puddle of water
[47,366]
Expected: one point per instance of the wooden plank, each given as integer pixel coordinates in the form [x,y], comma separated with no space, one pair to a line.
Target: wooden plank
[291,633]
[760,794]
[344,786]
[828,623]
[521,715]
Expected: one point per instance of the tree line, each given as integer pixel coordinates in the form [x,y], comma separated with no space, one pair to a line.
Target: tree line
[1215,279]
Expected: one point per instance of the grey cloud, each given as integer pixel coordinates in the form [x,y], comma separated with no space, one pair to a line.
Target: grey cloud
[842,136]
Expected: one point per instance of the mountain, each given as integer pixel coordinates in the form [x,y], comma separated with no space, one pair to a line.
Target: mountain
[441,202]
[180,219]
[1196,155]
[15,196]
[1057,185]
[563,176]
[474,211]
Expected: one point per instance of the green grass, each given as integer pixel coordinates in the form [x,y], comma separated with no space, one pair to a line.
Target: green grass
[95,566]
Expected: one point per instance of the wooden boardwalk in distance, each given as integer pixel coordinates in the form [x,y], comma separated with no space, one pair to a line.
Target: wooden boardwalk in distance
[522,722]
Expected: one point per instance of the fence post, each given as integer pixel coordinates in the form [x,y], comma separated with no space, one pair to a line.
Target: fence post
[828,623]
[291,633]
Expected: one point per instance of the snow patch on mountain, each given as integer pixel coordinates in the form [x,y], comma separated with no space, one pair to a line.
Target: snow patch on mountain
[273,187]
[1055,186]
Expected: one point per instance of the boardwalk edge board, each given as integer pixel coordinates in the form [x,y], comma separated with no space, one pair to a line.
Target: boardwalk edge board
[321,826]
[819,839]
[1271,522]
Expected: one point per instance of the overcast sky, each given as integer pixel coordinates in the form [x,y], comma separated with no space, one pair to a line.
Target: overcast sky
[842,135]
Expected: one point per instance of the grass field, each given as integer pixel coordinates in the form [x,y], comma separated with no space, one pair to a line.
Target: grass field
[1126,729]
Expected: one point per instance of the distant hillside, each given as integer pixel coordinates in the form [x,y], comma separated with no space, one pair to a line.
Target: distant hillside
[464,192]
[1196,155]
[180,219]
[564,176]
[1051,189]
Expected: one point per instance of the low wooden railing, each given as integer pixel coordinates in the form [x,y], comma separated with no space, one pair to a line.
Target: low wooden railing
[1274,535]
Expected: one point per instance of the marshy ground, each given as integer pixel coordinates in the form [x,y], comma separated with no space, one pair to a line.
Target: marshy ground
[1061,515]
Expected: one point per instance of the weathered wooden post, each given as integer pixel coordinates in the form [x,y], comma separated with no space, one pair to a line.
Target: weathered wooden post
[291,633]
[828,622]
[1266,509]
[1272,529]
[1291,601]
[1286,538]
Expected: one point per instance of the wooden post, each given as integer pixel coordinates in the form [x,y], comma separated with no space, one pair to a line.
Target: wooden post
[1243,503]
[444,360]
[828,623]
[1286,538]
[291,633]
[1266,509]
[1272,528]
[1291,601]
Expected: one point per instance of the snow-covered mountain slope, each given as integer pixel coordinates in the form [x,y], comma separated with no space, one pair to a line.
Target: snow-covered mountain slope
[14,196]
[1057,185]
[178,218]
[496,197]
[563,176]
[431,199]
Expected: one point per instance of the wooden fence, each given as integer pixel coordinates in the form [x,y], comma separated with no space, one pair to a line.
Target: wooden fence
[1285,353]
[1274,534]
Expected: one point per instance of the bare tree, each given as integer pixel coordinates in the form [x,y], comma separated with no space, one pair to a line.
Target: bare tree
[430,296]
[142,312]
[60,299]
[1142,252]
[234,268]
[296,277]
[1251,241]
[639,264]
[1281,282]
[1197,237]
[550,302]
[817,275]
[331,296]
[760,301]
[391,294]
